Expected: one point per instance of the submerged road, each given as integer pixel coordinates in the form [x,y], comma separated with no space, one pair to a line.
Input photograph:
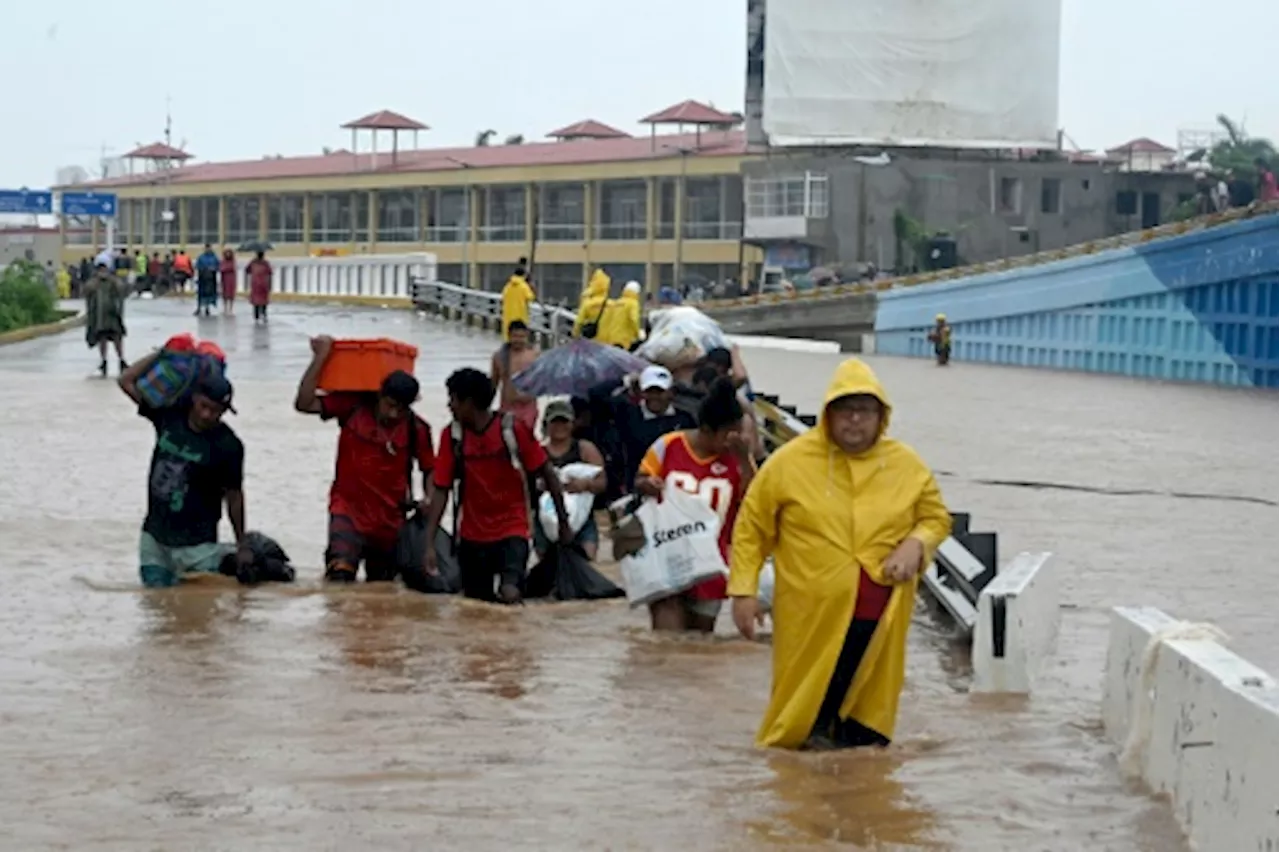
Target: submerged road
[307,718]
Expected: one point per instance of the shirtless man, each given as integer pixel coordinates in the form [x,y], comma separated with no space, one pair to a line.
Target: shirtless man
[512,357]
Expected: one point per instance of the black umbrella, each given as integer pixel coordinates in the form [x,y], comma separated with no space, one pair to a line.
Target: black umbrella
[255,246]
[575,368]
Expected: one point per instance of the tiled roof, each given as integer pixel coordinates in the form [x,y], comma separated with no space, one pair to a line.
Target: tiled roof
[691,112]
[709,144]
[385,119]
[587,129]
[157,151]
[1141,145]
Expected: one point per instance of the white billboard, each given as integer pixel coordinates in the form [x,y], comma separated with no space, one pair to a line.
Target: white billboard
[928,73]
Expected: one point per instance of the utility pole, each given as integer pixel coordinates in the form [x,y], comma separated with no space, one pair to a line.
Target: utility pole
[167,216]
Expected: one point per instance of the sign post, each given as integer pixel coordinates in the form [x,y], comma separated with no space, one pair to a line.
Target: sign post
[103,204]
[34,202]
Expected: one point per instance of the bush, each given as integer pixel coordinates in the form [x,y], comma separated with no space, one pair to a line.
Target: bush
[25,299]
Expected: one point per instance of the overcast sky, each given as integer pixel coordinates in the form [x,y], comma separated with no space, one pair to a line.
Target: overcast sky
[255,77]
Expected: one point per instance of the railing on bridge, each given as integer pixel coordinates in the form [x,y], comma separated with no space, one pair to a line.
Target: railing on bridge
[549,323]
[1132,238]
[365,276]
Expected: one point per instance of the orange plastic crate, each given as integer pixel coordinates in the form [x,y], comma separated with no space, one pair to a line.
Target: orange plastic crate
[361,365]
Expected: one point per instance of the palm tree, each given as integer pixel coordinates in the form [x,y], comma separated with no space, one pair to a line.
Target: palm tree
[514,139]
[484,136]
[1239,152]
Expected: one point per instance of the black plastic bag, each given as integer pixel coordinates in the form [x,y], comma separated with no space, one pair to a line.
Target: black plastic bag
[410,549]
[270,562]
[566,574]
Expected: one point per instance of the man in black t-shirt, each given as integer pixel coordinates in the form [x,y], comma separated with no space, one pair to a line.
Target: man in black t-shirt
[196,466]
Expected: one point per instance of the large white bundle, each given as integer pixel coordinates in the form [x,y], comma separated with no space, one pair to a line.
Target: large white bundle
[577,506]
[680,335]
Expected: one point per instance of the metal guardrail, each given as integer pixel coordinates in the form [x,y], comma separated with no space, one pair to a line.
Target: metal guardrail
[1132,238]
[551,324]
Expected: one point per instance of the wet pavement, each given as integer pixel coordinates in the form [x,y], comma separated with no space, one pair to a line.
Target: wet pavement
[304,718]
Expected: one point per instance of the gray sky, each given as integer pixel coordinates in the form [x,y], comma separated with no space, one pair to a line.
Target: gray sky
[255,77]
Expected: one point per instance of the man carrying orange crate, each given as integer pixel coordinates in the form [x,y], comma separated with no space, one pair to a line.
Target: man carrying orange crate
[379,441]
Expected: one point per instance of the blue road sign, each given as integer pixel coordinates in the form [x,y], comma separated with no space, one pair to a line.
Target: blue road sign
[89,204]
[26,201]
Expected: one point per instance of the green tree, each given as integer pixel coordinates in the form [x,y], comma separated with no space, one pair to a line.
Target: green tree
[1239,152]
[25,298]
[484,137]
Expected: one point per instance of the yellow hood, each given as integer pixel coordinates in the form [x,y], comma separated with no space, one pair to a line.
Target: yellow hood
[598,286]
[855,377]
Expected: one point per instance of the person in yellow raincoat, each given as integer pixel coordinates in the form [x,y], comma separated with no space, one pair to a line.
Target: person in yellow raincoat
[620,323]
[592,305]
[516,296]
[851,518]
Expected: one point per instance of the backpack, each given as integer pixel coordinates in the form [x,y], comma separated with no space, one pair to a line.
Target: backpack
[508,426]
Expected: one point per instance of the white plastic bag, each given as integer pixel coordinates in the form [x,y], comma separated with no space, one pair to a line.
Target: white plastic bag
[681,548]
[680,335]
[578,506]
[765,588]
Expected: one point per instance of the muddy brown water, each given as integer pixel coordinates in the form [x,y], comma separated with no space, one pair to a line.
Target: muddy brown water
[303,718]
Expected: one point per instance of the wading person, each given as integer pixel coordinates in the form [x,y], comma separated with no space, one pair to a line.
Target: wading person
[851,518]
[488,457]
[104,297]
[563,448]
[512,357]
[367,501]
[713,463]
[940,337]
[197,466]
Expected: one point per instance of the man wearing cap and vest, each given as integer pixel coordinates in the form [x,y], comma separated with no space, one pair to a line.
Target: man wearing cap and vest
[379,442]
[637,425]
[197,466]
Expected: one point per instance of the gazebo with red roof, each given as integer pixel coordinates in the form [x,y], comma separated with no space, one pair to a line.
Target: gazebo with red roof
[691,112]
[159,154]
[587,129]
[384,119]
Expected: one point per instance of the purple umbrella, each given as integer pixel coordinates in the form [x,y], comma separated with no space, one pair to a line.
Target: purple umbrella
[573,369]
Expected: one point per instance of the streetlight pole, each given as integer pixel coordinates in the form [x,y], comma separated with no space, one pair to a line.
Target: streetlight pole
[680,210]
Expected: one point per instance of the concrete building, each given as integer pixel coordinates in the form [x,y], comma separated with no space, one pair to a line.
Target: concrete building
[655,208]
[812,208]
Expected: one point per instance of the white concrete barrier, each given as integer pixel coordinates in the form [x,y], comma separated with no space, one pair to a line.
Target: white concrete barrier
[786,344]
[1016,629]
[367,275]
[1196,723]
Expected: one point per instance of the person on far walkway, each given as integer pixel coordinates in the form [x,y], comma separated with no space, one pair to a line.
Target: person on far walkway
[371,479]
[104,296]
[620,324]
[140,271]
[591,305]
[197,466]
[259,274]
[182,270]
[851,518]
[62,282]
[512,357]
[206,281]
[1267,189]
[227,274]
[940,337]
[488,457]
[516,298]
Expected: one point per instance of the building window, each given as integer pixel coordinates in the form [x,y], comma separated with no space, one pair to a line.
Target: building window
[202,221]
[1010,200]
[804,196]
[504,221]
[284,218]
[560,216]
[1127,202]
[243,219]
[449,216]
[360,216]
[1050,196]
[398,211]
[621,210]
[331,218]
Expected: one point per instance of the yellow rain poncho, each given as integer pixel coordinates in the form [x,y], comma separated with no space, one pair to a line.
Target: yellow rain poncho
[516,296]
[823,514]
[620,324]
[593,301]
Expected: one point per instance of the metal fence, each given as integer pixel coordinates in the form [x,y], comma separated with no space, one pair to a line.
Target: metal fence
[551,324]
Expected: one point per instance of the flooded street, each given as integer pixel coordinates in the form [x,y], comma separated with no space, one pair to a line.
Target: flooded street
[368,718]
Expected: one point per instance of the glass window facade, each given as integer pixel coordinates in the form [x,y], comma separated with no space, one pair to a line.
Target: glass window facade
[202,221]
[244,217]
[399,211]
[284,218]
[331,218]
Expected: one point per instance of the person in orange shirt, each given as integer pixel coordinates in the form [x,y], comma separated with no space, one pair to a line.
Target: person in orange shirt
[714,463]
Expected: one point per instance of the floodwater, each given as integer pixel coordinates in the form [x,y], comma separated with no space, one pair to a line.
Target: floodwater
[358,718]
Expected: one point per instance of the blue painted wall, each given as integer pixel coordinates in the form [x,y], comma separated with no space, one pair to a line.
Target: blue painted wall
[1201,306]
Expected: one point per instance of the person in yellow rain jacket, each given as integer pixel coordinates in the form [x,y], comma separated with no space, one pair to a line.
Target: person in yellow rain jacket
[851,518]
[62,281]
[620,323]
[591,307]
[516,296]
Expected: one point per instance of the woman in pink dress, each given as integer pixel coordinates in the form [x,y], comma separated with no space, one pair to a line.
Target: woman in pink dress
[227,272]
[259,274]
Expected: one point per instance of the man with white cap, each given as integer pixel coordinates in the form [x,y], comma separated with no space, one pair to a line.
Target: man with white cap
[638,423]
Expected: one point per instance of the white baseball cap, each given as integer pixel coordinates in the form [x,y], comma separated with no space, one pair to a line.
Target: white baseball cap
[655,377]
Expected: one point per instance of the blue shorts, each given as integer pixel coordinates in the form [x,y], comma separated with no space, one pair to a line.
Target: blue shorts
[162,566]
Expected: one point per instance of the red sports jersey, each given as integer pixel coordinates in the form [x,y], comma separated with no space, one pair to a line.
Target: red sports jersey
[716,480]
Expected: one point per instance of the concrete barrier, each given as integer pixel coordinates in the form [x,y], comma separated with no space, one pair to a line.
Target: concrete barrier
[1198,724]
[1016,629]
[31,332]
[847,320]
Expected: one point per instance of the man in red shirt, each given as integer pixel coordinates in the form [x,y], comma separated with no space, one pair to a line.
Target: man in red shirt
[372,482]
[487,457]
